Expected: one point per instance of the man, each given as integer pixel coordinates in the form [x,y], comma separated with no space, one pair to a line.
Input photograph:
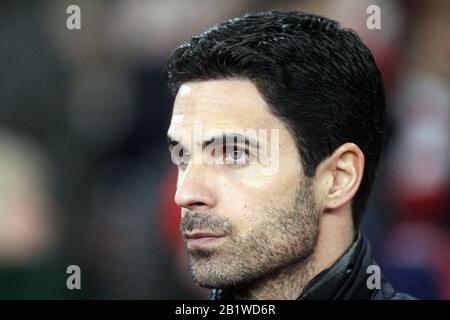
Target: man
[287,229]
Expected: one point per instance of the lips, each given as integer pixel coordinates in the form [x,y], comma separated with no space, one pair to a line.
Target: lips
[198,240]
[197,235]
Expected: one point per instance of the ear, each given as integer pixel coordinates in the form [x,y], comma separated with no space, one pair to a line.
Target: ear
[339,176]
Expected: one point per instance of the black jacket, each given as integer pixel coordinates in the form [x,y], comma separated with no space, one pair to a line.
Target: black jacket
[345,280]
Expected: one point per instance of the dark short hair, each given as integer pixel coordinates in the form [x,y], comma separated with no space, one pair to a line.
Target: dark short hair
[316,76]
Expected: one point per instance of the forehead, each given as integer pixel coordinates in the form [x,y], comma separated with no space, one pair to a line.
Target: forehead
[222,104]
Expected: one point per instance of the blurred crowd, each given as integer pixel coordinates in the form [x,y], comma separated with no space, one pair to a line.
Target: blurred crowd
[85,176]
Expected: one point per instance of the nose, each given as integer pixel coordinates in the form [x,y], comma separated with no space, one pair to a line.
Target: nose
[194,189]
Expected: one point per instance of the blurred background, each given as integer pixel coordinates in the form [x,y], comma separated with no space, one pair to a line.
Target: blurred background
[85,177]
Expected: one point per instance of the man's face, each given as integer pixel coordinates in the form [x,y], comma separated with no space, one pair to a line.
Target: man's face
[239,224]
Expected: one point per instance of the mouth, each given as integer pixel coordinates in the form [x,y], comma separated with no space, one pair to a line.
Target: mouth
[201,240]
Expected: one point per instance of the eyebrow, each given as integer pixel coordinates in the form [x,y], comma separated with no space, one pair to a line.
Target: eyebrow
[235,137]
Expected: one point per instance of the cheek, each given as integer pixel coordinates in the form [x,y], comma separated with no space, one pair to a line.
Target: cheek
[236,204]
[244,207]
[245,195]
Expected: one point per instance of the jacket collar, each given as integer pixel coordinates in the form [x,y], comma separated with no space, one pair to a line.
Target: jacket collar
[345,279]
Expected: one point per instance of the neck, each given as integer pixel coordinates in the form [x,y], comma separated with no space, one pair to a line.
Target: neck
[335,236]
[285,284]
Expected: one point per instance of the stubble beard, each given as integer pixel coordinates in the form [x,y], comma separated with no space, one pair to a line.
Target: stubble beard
[283,238]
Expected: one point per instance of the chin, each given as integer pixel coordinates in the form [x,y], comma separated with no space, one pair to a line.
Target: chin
[209,278]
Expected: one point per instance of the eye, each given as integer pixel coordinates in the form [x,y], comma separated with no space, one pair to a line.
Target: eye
[180,156]
[185,157]
[235,155]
